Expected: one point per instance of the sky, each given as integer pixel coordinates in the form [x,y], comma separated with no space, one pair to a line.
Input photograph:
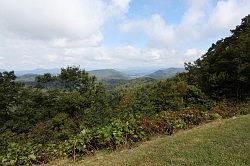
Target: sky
[121,34]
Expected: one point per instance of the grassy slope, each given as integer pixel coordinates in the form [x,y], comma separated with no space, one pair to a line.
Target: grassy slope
[225,142]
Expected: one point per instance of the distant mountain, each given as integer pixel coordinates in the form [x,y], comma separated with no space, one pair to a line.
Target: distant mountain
[108,74]
[166,73]
[103,74]
[26,78]
[38,71]
[135,73]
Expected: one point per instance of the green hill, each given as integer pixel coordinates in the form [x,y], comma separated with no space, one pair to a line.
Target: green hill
[223,142]
[166,73]
[108,74]
[136,83]
[26,78]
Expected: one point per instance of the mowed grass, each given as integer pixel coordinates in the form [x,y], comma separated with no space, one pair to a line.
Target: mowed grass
[223,142]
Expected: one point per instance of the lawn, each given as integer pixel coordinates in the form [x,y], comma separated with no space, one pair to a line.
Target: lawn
[223,142]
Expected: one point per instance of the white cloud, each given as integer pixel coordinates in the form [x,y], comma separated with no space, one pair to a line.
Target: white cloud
[56,33]
[205,20]
[192,52]
[49,31]
[129,56]
[202,20]
[118,7]
[155,27]
[52,57]
[59,42]
[192,20]
[121,4]
[227,14]
[48,19]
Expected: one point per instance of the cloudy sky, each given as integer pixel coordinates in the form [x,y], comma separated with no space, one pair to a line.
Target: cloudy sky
[112,33]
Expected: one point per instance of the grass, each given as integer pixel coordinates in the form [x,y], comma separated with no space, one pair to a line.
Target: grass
[223,142]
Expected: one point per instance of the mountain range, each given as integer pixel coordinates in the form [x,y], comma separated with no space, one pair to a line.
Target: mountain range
[104,74]
[38,71]
[166,73]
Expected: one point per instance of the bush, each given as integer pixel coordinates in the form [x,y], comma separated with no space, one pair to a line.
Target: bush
[214,116]
[225,109]
[118,133]
[167,122]
[16,155]
[195,98]
[179,124]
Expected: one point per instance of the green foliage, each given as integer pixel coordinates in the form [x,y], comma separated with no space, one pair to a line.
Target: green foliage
[75,79]
[214,116]
[119,132]
[153,98]
[54,114]
[226,109]
[45,78]
[195,98]
[223,72]
[8,92]
[168,122]
[168,95]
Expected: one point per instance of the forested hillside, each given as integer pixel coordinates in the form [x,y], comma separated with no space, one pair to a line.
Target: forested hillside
[71,114]
[108,74]
[166,73]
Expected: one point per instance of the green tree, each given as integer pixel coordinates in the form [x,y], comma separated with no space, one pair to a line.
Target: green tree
[47,77]
[182,88]
[73,78]
[8,94]
[224,71]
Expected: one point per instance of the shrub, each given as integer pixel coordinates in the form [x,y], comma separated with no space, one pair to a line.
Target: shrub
[214,116]
[167,122]
[16,155]
[118,133]
[225,109]
[195,98]
[179,124]
[244,108]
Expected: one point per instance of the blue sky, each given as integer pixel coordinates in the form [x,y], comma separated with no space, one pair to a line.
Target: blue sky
[170,10]
[112,33]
